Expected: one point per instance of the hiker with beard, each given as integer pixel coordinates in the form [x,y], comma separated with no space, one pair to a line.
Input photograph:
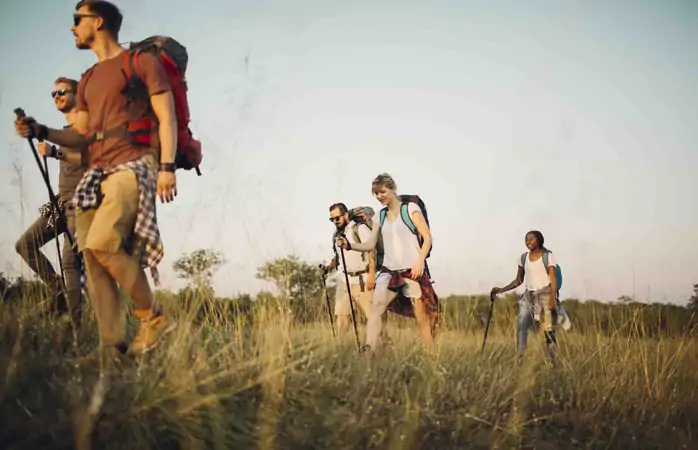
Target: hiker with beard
[49,224]
[115,215]
[404,283]
[361,268]
[538,306]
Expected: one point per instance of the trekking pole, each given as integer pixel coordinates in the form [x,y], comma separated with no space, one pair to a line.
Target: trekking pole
[351,299]
[327,300]
[19,112]
[489,319]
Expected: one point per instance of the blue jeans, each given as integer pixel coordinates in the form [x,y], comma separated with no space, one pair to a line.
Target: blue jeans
[526,319]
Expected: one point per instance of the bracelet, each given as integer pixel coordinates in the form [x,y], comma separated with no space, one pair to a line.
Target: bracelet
[167,167]
[54,153]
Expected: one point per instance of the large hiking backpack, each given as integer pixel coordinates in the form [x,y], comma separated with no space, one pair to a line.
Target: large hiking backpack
[558,269]
[404,214]
[369,212]
[174,59]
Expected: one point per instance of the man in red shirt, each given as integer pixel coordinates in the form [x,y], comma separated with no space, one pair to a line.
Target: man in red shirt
[115,202]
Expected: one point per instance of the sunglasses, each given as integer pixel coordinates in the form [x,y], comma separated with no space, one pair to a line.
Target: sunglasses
[78,17]
[60,92]
[335,219]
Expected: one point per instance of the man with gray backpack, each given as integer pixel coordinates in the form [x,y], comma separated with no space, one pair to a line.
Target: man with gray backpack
[361,268]
[539,306]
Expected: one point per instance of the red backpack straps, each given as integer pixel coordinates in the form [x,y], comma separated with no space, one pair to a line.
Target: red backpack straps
[140,130]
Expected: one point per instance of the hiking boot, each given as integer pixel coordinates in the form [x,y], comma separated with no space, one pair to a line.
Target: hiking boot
[154,325]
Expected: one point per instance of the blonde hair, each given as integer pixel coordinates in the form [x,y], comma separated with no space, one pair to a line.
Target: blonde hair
[383,180]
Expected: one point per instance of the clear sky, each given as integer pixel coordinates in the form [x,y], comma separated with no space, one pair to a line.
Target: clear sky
[575,118]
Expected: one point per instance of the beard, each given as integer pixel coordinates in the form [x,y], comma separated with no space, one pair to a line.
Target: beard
[67,107]
[83,44]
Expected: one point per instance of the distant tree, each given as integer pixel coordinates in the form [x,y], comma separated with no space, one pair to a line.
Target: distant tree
[693,301]
[294,279]
[21,289]
[296,282]
[626,299]
[198,267]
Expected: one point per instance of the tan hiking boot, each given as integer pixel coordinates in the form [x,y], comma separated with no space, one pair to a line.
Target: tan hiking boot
[154,325]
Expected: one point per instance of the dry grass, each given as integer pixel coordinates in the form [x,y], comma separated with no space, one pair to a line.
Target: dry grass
[268,384]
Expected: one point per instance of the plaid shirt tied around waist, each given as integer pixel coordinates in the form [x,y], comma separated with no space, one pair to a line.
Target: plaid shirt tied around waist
[88,195]
[48,211]
[402,305]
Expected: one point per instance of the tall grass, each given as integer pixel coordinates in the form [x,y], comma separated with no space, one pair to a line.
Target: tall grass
[261,381]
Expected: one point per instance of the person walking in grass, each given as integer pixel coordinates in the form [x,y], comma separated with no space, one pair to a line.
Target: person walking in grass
[361,268]
[538,306]
[49,224]
[403,284]
[115,213]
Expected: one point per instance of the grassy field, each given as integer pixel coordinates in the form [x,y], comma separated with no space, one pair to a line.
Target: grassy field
[259,382]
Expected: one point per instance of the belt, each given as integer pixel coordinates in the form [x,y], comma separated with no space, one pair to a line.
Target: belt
[359,273]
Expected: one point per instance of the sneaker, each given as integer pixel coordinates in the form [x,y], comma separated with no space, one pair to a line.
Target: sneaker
[154,325]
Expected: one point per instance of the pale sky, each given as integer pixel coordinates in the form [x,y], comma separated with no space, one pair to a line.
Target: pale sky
[575,118]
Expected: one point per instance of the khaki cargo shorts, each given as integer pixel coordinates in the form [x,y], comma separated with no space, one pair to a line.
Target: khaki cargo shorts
[110,226]
[362,299]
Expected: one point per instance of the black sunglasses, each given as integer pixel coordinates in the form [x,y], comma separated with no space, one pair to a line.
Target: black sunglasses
[60,92]
[78,17]
[335,219]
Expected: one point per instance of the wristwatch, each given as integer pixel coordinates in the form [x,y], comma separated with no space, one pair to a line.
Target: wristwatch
[167,167]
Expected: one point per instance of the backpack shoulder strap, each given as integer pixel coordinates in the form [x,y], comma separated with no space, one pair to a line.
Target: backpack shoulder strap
[524,256]
[405,214]
[545,260]
[357,238]
[355,233]
[383,214]
[131,64]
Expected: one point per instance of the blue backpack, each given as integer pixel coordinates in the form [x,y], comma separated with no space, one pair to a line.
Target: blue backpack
[558,270]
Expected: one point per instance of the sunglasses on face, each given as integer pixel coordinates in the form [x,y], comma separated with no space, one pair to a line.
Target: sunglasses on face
[335,219]
[60,92]
[78,17]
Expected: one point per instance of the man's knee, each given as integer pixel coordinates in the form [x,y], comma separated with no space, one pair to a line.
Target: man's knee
[20,246]
[23,245]
[99,256]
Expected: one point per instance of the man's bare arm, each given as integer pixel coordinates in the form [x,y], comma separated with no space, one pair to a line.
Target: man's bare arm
[163,107]
[74,136]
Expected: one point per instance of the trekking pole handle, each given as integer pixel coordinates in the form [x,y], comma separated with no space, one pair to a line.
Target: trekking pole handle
[19,112]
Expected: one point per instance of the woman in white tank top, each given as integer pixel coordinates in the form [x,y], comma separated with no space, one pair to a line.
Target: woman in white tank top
[403,284]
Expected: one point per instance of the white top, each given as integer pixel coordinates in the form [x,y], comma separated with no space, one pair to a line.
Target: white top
[400,244]
[353,258]
[535,275]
